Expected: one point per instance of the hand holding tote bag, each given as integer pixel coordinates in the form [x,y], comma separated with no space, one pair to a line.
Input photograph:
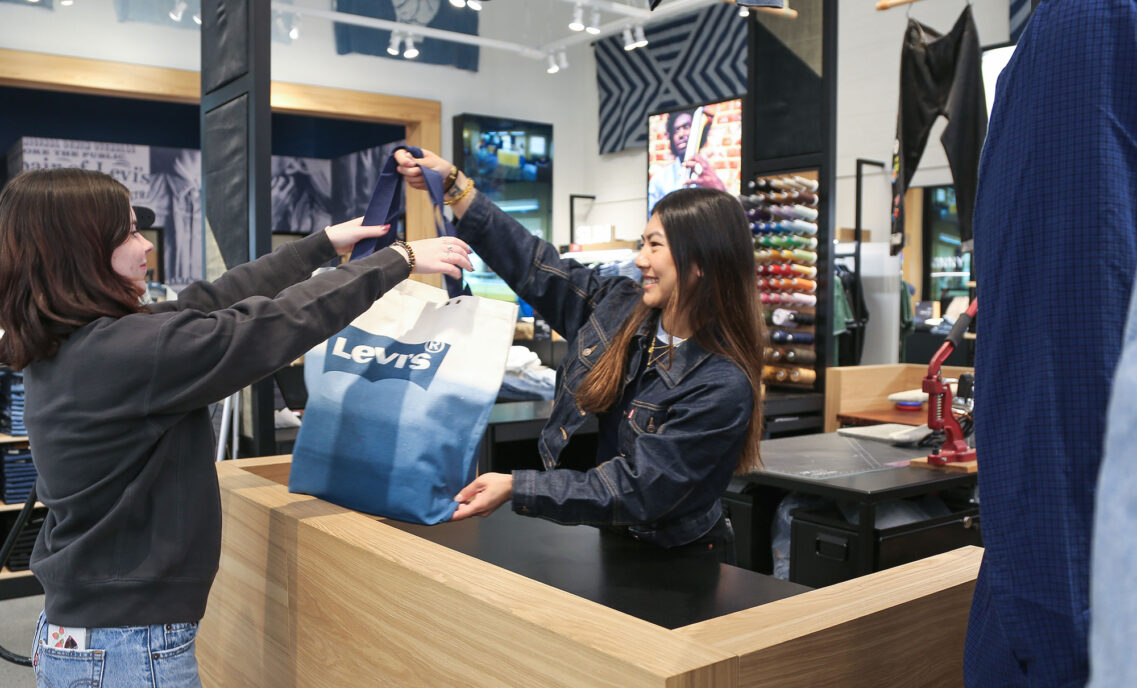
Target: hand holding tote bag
[399,400]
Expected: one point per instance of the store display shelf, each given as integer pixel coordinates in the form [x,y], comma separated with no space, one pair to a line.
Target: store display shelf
[5,574]
[4,506]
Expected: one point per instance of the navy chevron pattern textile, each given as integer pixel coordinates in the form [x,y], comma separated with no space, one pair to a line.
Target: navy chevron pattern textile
[1020,13]
[695,58]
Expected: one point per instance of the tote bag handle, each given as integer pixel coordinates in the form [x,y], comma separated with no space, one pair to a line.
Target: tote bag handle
[384,206]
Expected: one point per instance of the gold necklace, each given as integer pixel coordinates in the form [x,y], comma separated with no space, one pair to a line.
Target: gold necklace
[652,357]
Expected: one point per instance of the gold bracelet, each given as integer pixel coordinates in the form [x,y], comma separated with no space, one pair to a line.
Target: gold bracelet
[410,253]
[450,179]
[459,197]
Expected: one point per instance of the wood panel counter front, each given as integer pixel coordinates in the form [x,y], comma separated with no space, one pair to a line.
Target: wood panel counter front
[310,595]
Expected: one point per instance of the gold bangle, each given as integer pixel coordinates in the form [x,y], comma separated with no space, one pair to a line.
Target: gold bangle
[410,253]
[450,179]
[459,197]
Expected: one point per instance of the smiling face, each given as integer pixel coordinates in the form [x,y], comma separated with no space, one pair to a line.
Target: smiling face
[129,259]
[660,278]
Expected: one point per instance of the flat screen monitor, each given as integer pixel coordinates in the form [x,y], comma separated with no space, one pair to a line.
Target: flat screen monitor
[698,145]
[511,162]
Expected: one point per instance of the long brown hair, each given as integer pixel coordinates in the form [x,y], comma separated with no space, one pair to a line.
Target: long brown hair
[58,229]
[713,251]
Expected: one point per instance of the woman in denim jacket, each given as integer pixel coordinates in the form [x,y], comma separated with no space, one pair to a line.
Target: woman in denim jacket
[671,368]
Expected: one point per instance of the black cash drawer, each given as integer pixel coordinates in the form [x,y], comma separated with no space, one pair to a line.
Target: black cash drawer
[823,544]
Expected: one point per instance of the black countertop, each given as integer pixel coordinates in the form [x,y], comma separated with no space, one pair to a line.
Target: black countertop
[620,573]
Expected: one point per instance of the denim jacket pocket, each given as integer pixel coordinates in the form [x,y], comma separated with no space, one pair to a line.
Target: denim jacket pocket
[642,417]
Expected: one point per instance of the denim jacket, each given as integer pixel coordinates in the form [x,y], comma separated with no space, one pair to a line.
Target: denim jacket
[679,437]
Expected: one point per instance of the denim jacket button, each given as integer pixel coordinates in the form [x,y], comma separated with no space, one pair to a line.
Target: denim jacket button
[588,350]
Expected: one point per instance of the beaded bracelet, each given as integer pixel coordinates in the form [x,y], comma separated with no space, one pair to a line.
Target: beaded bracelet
[410,253]
[450,179]
[459,197]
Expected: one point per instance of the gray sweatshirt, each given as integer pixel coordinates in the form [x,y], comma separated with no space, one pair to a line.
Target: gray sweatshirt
[123,443]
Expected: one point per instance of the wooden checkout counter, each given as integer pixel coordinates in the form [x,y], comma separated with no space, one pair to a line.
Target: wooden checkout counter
[310,594]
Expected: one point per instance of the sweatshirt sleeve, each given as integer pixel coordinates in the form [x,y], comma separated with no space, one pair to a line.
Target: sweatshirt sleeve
[199,357]
[265,276]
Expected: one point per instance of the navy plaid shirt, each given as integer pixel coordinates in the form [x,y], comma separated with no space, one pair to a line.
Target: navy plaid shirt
[1055,252]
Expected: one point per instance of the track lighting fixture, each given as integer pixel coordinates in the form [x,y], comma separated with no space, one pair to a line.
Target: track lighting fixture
[562,60]
[294,30]
[393,44]
[458,3]
[475,5]
[411,51]
[577,23]
[594,25]
[629,42]
[553,66]
[743,12]
[178,10]
[641,39]
[197,19]
[66,3]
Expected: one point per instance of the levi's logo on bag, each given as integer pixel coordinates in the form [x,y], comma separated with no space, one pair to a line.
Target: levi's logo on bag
[375,357]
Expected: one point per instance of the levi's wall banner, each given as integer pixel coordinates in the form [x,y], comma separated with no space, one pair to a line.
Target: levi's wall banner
[398,402]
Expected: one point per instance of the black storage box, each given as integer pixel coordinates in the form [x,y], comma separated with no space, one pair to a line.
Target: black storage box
[823,544]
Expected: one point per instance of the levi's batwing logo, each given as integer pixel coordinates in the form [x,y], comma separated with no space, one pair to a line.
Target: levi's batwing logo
[375,357]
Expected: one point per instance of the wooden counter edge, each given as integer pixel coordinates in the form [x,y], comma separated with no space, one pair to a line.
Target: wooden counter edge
[536,614]
[865,631]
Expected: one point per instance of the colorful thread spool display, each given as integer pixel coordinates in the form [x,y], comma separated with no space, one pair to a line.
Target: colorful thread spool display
[800,356]
[783,214]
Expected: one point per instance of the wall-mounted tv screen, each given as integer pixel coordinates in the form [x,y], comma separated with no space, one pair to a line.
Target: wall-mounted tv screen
[511,161]
[699,145]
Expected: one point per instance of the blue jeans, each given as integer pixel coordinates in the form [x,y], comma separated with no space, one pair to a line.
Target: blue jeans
[160,656]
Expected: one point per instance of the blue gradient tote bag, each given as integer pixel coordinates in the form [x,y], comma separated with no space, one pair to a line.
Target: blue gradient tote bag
[398,402]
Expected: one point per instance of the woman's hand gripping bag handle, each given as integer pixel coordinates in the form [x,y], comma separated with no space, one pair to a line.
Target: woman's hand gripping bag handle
[383,208]
[399,400]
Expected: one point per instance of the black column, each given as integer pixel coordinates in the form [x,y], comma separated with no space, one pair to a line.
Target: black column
[235,156]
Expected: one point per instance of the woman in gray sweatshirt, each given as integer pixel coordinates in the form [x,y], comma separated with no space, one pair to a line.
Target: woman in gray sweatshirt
[116,397]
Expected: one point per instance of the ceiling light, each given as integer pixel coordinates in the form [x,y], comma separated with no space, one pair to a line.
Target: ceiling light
[577,23]
[641,39]
[458,3]
[594,25]
[553,67]
[562,60]
[411,52]
[197,19]
[179,8]
[393,45]
[743,12]
[629,42]
[294,30]
[475,5]
[66,3]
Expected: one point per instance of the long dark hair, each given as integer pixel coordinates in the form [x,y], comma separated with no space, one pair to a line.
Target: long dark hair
[58,229]
[711,245]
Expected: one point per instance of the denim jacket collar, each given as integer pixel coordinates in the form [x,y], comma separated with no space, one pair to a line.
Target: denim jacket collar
[687,357]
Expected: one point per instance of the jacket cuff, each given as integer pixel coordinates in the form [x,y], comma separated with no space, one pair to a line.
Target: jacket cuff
[474,220]
[525,492]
